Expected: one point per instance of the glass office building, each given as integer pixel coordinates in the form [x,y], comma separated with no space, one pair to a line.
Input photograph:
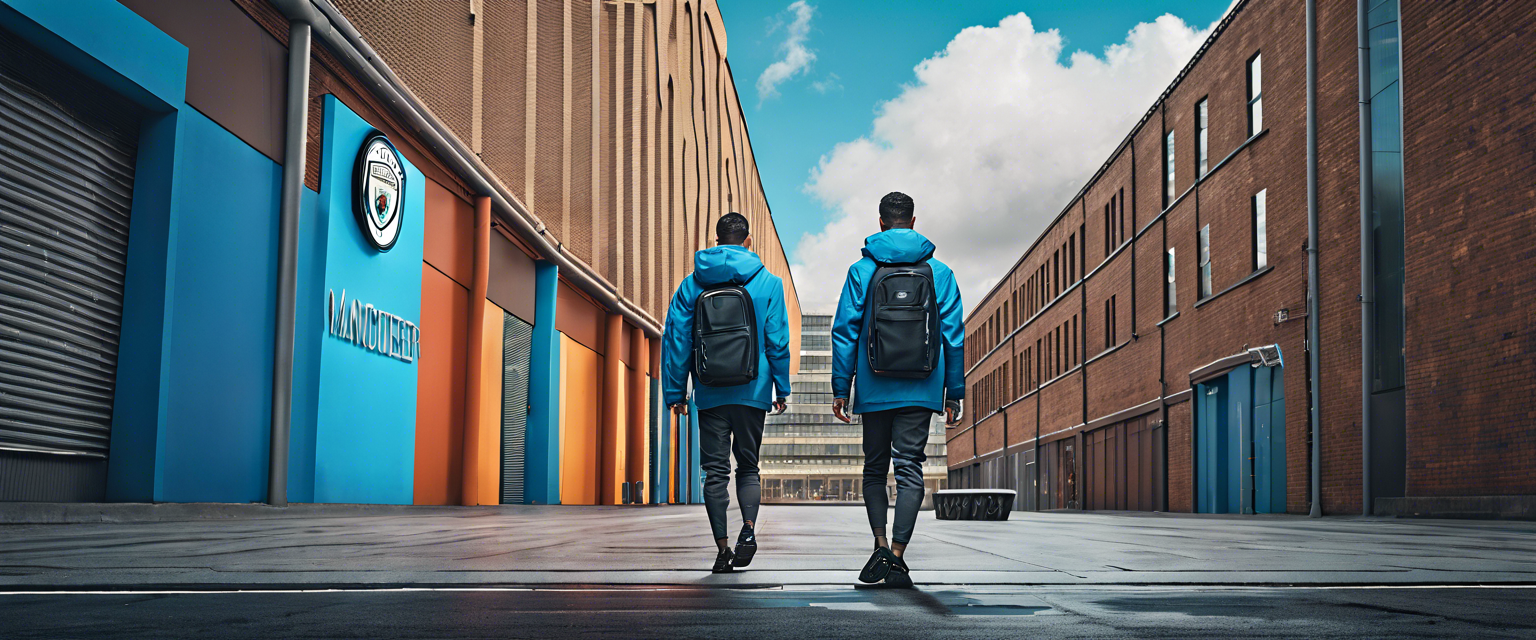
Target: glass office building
[809,456]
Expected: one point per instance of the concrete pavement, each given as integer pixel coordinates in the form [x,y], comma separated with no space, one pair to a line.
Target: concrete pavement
[802,545]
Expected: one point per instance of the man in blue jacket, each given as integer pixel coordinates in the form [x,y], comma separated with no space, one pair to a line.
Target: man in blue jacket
[896,410]
[732,411]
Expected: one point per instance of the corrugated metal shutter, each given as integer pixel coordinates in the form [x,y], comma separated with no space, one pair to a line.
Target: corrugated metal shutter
[517,349]
[67,150]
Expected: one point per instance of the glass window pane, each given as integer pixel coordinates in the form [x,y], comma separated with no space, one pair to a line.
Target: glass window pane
[1260,230]
[1255,77]
[1256,122]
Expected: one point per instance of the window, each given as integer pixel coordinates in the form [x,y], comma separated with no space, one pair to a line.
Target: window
[1109,235]
[1122,216]
[1260,231]
[1109,322]
[1205,262]
[1072,258]
[1168,193]
[1171,293]
[1202,141]
[1255,96]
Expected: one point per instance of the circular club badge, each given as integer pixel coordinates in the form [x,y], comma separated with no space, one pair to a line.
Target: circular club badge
[378,186]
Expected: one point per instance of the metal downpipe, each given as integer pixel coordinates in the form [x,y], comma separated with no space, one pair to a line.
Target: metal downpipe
[1314,344]
[295,128]
[1367,254]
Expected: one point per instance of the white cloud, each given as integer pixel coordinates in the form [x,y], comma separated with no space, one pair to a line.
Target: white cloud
[797,58]
[830,83]
[990,141]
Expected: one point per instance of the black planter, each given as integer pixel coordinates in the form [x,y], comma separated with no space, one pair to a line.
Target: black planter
[973,504]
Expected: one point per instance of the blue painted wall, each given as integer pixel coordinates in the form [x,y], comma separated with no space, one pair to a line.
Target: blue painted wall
[541,471]
[365,428]
[214,444]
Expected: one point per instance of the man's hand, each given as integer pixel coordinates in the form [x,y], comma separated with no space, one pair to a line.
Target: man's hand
[840,409]
[780,406]
[952,412]
[680,409]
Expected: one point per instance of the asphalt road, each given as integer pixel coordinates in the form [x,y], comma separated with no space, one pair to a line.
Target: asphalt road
[825,612]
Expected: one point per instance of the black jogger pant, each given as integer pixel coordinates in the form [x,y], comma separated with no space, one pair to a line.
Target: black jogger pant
[903,434]
[718,427]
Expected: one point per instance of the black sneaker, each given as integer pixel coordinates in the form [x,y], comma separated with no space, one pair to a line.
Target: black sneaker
[897,576]
[723,561]
[746,547]
[878,566]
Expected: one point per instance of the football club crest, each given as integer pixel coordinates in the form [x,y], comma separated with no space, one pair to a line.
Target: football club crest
[378,186]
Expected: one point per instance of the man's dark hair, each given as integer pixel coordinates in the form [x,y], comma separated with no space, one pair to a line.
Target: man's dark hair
[731,229]
[896,209]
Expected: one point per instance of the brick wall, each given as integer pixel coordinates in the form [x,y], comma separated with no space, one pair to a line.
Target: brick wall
[1469,135]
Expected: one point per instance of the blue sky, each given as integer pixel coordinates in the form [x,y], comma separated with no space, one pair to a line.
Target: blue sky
[863,54]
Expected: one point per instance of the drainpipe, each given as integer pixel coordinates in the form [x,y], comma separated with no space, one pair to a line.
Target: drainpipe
[1313,342]
[469,481]
[1367,253]
[301,15]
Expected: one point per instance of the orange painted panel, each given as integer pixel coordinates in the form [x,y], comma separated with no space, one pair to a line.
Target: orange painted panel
[580,405]
[440,389]
[488,455]
[448,242]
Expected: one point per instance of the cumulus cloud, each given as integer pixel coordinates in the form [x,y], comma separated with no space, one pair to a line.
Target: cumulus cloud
[990,141]
[796,58]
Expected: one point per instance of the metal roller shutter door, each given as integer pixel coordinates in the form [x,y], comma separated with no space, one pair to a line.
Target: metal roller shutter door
[517,350]
[67,151]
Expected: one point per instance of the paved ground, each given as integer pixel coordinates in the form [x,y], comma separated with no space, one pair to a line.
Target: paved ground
[802,545]
[642,572]
[686,612]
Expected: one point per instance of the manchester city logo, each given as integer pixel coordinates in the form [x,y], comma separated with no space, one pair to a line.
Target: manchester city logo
[378,185]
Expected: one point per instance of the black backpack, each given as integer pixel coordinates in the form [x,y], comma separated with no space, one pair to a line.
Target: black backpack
[901,321]
[724,336]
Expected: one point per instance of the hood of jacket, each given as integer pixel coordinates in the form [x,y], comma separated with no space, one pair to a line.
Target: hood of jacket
[725,263]
[896,246]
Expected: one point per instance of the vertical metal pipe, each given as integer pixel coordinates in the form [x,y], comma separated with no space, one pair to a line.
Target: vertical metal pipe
[287,259]
[1314,344]
[1367,254]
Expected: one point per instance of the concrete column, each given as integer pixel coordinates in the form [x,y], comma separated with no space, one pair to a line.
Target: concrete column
[541,465]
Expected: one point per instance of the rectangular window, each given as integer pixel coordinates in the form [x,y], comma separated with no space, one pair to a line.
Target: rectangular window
[1056,274]
[1109,243]
[1072,258]
[1077,352]
[1168,193]
[1171,293]
[1255,96]
[1122,216]
[1202,141]
[1109,322]
[1260,231]
[1082,250]
[1205,262]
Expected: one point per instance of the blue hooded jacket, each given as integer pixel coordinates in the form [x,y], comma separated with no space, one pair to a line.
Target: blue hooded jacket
[712,266]
[878,393]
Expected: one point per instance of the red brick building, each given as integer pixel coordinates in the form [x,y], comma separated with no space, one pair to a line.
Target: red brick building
[1149,350]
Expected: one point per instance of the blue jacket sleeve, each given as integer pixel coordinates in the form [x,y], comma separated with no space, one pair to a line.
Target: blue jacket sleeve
[952,328]
[846,327]
[776,337]
[677,346]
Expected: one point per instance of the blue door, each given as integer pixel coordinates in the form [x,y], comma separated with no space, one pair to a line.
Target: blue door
[1240,442]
